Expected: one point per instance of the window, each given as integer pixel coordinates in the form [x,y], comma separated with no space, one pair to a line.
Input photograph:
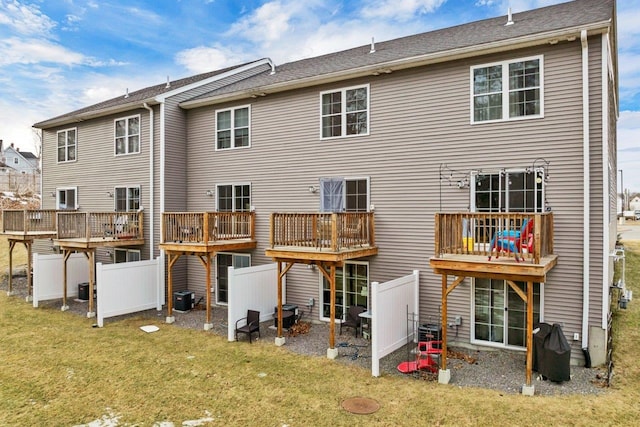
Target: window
[508,191]
[352,284]
[126,255]
[344,194]
[127,135]
[66,198]
[223,262]
[232,128]
[127,199]
[16,161]
[345,112]
[500,315]
[234,198]
[67,143]
[507,90]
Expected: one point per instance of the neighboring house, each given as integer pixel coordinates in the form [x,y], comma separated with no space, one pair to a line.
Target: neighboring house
[21,161]
[21,170]
[492,116]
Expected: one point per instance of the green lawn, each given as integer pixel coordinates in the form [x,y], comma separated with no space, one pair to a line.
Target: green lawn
[57,370]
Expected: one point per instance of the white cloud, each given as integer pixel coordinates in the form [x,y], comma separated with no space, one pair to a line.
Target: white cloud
[25,19]
[266,24]
[202,59]
[400,9]
[33,51]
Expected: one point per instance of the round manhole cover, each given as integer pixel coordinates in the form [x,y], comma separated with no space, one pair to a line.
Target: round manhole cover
[360,405]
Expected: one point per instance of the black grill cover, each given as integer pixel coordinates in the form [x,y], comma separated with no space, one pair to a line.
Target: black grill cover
[553,363]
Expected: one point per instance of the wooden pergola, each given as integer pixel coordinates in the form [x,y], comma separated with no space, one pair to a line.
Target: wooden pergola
[203,234]
[463,249]
[324,240]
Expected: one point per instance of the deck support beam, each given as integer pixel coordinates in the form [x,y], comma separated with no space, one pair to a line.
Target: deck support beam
[28,245]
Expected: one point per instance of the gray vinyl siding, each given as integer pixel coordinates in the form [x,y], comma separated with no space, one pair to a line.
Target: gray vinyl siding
[419,120]
[97,170]
[177,163]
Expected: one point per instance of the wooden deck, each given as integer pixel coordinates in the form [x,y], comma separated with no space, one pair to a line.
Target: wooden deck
[90,230]
[321,237]
[203,234]
[29,224]
[465,246]
[501,268]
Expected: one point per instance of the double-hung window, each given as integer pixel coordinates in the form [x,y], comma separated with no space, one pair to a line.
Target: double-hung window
[232,128]
[67,143]
[507,90]
[345,112]
[127,199]
[127,135]
[234,198]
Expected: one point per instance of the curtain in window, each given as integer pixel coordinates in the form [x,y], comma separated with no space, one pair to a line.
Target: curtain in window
[331,194]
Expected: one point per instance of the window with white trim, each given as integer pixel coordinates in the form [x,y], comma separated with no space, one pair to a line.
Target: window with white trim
[126,255]
[507,90]
[127,135]
[127,199]
[234,198]
[508,191]
[67,198]
[67,143]
[232,128]
[344,194]
[16,160]
[345,112]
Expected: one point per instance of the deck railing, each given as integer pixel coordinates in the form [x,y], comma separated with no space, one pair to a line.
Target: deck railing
[205,227]
[27,221]
[94,225]
[331,231]
[472,233]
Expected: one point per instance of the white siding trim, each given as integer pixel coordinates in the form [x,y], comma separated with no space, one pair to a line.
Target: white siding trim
[606,177]
[587,185]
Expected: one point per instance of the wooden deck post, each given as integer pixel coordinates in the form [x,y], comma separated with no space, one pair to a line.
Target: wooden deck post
[12,244]
[332,310]
[279,296]
[444,322]
[29,245]
[529,332]
[207,267]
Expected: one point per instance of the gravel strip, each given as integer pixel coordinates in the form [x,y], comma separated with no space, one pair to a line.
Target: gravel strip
[500,370]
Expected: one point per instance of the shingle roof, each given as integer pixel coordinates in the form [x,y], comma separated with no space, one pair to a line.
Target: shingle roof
[471,37]
[574,14]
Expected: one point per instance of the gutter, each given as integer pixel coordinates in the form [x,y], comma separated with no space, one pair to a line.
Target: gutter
[405,63]
[151,179]
[586,179]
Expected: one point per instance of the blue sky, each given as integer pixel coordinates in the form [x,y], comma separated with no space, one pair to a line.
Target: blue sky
[57,56]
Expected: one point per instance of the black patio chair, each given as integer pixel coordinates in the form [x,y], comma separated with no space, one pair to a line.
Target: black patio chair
[353,319]
[252,324]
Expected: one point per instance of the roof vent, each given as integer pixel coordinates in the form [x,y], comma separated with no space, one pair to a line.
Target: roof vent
[168,83]
[509,18]
[126,94]
[373,46]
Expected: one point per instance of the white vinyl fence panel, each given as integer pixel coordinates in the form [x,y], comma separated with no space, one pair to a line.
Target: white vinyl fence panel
[48,276]
[390,302]
[252,288]
[128,287]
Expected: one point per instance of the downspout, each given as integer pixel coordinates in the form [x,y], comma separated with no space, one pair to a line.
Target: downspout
[586,200]
[151,179]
